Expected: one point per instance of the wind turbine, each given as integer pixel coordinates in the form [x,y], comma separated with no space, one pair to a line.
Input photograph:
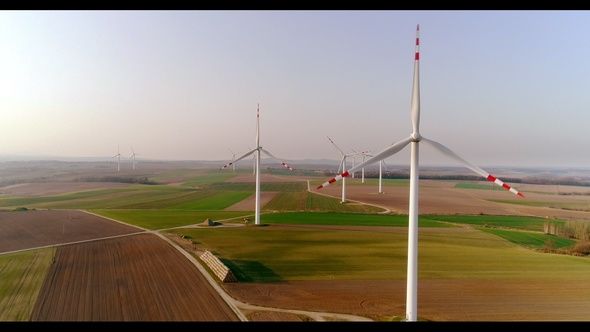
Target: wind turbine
[119,161]
[133,156]
[233,159]
[415,138]
[343,167]
[381,165]
[257,149]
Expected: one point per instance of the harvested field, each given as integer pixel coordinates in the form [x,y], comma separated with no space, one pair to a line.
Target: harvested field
[438,300]
[248,203]
[432,200]
[55,188]
[444,200]
[135,278]
[31,229]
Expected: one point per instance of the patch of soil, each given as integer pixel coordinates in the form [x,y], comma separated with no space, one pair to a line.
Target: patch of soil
[31,229]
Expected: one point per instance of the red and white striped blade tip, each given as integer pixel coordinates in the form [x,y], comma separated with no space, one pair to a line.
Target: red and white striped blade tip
[504,185]
[337,178]
[288,167]
[226,166]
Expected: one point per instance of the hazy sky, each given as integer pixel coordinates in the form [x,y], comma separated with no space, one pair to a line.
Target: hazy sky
[498,87]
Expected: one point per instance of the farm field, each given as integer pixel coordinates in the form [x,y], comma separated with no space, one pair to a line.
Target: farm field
[477,247]
[361,270]
[443,199]
[31,229]
[136,278]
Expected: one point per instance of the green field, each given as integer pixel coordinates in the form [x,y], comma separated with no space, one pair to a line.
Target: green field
[256,255]
[288,201]
[209,176]
[345,219]
[522,223]
[22,275]
[219,201]
[528,239]
[154,220]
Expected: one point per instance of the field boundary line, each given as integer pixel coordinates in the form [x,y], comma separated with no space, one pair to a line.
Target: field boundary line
[115,220]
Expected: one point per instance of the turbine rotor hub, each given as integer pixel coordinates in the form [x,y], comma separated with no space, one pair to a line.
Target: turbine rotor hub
[416,137]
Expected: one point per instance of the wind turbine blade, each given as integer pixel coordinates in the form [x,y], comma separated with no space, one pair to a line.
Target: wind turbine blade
[340,165]
[447,152]
[342,153]
[386,170]
[242,157]
[273,157]
[388,152]
[258,126]
[415,110]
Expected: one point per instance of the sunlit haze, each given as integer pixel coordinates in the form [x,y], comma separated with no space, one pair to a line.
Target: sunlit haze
[497,87]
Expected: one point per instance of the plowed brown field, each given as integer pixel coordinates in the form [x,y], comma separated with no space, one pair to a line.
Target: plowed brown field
[31,229]
[133,278]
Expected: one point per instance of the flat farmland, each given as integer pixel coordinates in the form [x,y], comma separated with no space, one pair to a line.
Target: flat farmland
[464,274]
[30,229]
[55,188]
[446,199]
[438,299]
[135,278]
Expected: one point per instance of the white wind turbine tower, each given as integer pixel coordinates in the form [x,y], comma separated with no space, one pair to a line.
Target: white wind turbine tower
[415,138]
[119,160]
[343,167]
[133,156]
[233,159]
[364,154]
[257,149]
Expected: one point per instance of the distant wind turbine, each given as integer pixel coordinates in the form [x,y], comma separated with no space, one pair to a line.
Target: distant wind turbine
[133,156]
[119,160]
[415,138]
[257,150]
[343,167]
[233,159]
[381,166]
